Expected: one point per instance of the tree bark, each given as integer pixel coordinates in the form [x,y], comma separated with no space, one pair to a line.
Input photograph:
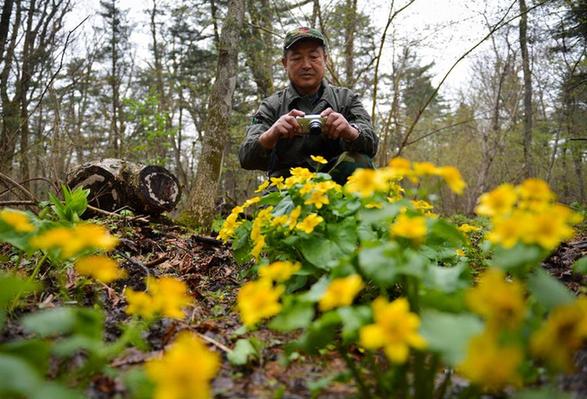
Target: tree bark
[201,203]
[115,183]
[528,164]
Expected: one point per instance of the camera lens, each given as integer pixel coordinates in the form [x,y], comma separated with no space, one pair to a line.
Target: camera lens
[315,127]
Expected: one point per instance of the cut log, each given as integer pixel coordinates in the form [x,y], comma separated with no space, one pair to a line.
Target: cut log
[116,184]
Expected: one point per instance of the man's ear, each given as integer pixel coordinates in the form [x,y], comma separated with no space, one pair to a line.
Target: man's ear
[284,62]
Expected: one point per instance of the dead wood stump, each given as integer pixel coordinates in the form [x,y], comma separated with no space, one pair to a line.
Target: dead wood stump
[116,184]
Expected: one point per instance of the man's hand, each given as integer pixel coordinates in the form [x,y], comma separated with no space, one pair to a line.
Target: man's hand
[285,127]
[337,126]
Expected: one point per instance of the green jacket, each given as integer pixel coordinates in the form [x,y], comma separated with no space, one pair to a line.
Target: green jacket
[296,151]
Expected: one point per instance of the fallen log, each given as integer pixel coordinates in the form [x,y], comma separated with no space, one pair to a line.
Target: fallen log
[116,184]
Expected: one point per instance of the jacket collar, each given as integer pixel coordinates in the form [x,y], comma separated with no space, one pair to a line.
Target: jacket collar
[327,94]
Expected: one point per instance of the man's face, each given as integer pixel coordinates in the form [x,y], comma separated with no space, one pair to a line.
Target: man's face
[305,62]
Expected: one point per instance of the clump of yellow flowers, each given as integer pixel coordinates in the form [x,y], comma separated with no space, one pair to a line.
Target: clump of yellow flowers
[528,214]
[166,296]
[185,370]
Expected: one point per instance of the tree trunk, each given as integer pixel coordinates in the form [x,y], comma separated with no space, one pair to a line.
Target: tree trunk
[201,203]
[349,42]
[528,165]
[258,41]
[114,183]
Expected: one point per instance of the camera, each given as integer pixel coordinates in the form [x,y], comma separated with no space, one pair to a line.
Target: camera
[312,124]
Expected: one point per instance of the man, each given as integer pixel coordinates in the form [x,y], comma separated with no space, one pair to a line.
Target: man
[275,142]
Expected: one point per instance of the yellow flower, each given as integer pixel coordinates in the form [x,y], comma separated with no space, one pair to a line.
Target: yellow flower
[259,244]
[422,205]
[73,240]
[395,329]
[229,227]
[166,296]
[278,182]
[534,191]
[374,205]
[100,267]
[425,168]
[508,231]
[341,292]
[140,303]
[459,252]
[18,220]
[317,199]
[562,335]
[500,302]
[298,175]
[170,296]
[307,188]
[319,159]
[95,236]
[400,166]
[365,182]
[491,364]
[309,223]
[547,230]
[453,178]
[467,228]
[293,217]
[185,370]
[412,228]
[262,186]
[279,271]
[327,185]
[258,300]
[251,201]
[280,220]
[498,202]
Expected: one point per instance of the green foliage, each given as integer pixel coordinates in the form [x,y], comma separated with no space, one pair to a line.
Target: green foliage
[245,351]
[74,204]
[373,265]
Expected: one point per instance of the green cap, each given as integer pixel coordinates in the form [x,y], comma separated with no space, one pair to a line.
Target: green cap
[302,33]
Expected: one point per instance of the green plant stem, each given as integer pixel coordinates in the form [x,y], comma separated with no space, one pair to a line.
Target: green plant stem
[444,385]
[31,278]
[365,393]
[380,386]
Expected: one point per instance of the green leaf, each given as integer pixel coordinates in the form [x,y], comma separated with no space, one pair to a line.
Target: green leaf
[296,315]
[381,263]
[17,376]
[320,252]
[449,334]
[12,286]
[53,390]
[521,256]
[34,351]
[353,318]
[344,235]
[580,266]
[243,352]
[87,322]
[138,384]
[316,291]
[285,206]
[545,393]
[443,232]
[383,214]
[68,346]
[548,291]
[384,263]
[445,279]
[320,333]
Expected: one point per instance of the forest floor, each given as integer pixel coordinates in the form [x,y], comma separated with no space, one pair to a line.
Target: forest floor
[214,277]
